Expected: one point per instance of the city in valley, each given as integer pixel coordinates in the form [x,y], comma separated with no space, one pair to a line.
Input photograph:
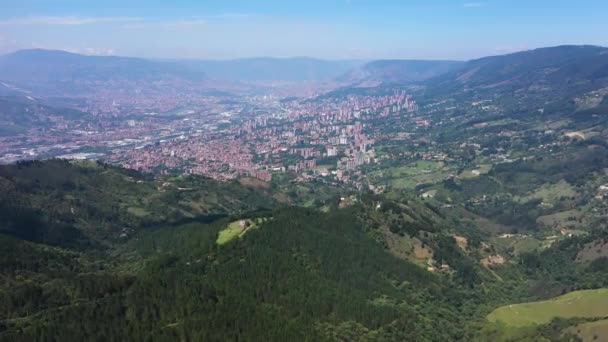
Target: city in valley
[223,137]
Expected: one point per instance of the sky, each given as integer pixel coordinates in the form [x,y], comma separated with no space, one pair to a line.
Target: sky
[330,29]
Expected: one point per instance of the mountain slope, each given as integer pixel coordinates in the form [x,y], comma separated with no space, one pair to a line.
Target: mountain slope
[19,114]
[42,70]
[43,201]
[562,68]
[115,249]
[89,251]
[299,276]
[398,71]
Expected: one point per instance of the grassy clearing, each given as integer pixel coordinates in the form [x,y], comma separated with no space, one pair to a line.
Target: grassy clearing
[137,211]
[410,182]
[592,331]
[406,247]
[518,244]
[476,172]
[238,229]
[409,175]
[567,218]
[592,251]
[551,193]
[420,166]
[584,304]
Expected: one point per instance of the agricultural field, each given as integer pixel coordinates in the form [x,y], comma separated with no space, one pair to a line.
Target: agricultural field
[581,304]
[412,174]
[551,193]
[518,244]
[476,171]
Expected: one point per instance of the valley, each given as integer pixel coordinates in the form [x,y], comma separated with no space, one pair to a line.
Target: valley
[405,196]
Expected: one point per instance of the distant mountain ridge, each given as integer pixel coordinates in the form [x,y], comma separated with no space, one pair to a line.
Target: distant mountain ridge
[60,72]
[22,113]
[552,67]
[399,71]
[295,69]
[45,70]
[56,71]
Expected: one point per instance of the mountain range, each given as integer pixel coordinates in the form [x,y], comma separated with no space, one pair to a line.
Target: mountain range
[299,69]
[56,71]
[45,70]
[579,66]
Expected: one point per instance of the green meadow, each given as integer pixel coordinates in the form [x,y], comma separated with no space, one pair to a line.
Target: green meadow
[583,304]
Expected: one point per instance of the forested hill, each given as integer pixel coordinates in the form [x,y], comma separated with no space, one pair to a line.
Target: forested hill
[58,202]
[93,252]
[548,84]
[553,67]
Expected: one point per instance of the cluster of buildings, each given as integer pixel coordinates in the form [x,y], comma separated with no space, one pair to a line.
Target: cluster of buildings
[174,132]
[322,134]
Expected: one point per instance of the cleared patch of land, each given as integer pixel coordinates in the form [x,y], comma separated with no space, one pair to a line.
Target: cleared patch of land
[408,176]
[551,193]
[568,218]
[406,247]
[137,211]
[584,304]
[238,229]
[476,172]
[593,250]
[519,244]
[592,331]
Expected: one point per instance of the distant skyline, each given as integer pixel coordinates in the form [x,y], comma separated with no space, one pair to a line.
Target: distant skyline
[329,29]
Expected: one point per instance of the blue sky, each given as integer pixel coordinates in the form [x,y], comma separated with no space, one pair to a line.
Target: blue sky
[335,29]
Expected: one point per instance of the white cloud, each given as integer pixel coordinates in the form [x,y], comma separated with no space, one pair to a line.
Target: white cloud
[166,23]
[473,4]
[65,20]
[183,23]
[189,21]
[93,51]
[129,21]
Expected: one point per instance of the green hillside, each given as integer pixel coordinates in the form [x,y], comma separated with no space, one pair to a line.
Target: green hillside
[583,304]
[84,265]
[303,275]
[78,262]
[59,202]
